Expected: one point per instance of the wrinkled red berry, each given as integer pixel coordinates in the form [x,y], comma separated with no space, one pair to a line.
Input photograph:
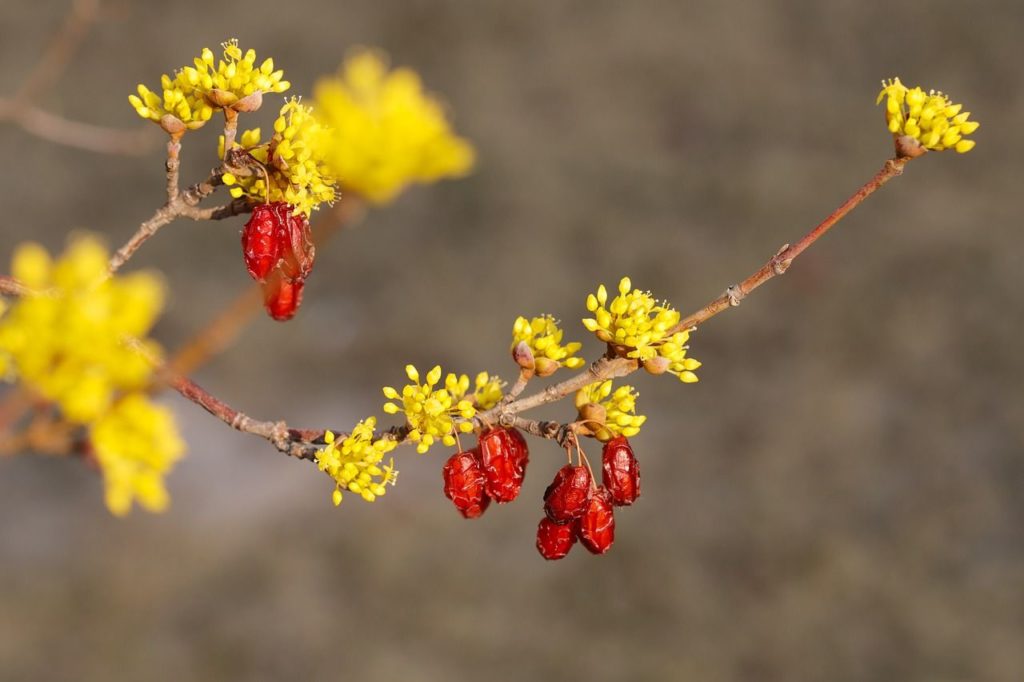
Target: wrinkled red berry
[620,472]
[464,484]
[596,527]
[504,456]
[275,237]
[282,297]
[566,497]
[554,540]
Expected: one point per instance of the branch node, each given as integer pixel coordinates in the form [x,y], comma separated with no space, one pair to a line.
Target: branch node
[735,294]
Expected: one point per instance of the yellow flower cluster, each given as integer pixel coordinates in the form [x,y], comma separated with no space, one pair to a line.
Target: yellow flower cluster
[293,160]
[486,389]
[544,337]
[67,342]
[607,414]
[387,132]
[633,320]
[430,412]
[931,119]
[355,463]
[79,341]
[190,98]
[136,443]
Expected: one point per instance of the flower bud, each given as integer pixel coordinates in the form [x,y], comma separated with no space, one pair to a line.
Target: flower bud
[220,98]
[172,125]
[656,365]
[545,367]
[250,102]
[523,356]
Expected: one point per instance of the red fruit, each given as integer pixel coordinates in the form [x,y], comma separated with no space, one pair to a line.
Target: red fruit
[566,497]
[282,297]
[596,527]
[464,484]
[554,540]
[504,455]
[276,238]
[620,471]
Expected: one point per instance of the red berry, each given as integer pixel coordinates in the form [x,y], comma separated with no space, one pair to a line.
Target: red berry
[597,525]
[554,540]
[504,456]
[464,484]
[282,297]
[620,471]
[275,237]
[566,497]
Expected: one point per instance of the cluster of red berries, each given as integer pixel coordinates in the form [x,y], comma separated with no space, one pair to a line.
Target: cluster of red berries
[574,507]
[278,249]
[493,470]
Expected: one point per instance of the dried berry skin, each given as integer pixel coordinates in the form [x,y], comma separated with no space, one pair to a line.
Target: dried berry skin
[282,297]
[504,456]
[554,540]
[620,472]
[566,498]
[464,484]
[276,238]
[260,246]
[596,527]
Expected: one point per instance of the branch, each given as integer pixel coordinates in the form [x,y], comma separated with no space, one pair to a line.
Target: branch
[92,138]
[178,204]
[780,262]
[301,444]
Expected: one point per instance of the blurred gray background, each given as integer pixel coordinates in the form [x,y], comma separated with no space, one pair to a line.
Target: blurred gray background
[839,498]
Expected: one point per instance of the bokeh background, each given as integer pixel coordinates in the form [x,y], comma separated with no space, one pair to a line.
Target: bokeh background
[841,497]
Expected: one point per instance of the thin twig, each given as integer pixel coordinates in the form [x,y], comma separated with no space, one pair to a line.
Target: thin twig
[298,443]
[179,204]
[12,287]
[92,138]
[780,262]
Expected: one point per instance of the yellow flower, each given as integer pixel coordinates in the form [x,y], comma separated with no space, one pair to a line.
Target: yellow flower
[544,337]
[430,413]
[930,119]
[387,132]
[486,389]
[136,443]
[355,463]
[67,342]
[293,160]
[195,91]
[633,320]
[615,412]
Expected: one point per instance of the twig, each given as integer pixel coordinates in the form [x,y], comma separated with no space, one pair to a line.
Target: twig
[178,204]
[92,138]
[780,262]
[299,443]
[12,287]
